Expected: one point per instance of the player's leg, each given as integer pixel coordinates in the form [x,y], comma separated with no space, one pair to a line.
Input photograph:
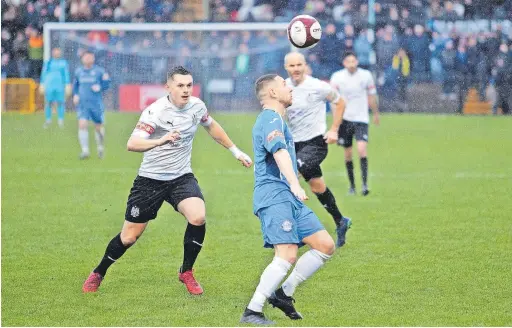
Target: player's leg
[345,136]
[186,197]
[61,109]
[312,233]
[48,100]
[98,117]
[309,157]
[361,135]
[83,130]
[280,232]
[145,199]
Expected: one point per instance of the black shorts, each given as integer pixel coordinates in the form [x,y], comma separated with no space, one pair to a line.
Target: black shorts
[310,154]
[349,129]
[147,196]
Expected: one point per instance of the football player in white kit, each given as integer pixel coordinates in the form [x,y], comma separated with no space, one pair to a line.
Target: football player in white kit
[308,124]
[357,88]
[164,134]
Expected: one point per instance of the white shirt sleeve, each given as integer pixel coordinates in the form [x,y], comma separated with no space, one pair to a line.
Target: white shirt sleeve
[147,124]
[328,92]
[370,84]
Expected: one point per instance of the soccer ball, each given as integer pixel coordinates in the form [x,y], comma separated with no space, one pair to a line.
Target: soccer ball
[304,31]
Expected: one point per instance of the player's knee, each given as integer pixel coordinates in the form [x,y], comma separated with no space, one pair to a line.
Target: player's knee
[197,220]
[348,154]
[317,185]
[129,239]
[326,246]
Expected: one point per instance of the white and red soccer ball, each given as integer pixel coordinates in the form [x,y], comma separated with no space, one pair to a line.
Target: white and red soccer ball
[304,31]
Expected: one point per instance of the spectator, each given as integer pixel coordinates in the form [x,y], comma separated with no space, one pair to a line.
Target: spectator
[8,69]
[35,53]
[401,69]
[418,47]
[329,48]
[502,74]
[449,12]
[448,58]
[462,74]
[363,48]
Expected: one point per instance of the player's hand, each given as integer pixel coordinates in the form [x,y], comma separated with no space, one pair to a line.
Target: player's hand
[376,119]
[331,137]
[41,90]
[68,90]
[245,160]
[169,137]
[96,88]
[299,192]
[105,76]
[76,99]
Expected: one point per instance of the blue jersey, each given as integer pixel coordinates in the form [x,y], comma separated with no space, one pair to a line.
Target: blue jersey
[84,81]
[55,74]
[269,134]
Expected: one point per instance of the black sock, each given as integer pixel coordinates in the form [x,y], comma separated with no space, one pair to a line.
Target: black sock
[350,172]
[192,244]
[364,170]
[114,251]
[329,202]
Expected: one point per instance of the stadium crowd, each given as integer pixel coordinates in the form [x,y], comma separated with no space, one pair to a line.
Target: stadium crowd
[408,48]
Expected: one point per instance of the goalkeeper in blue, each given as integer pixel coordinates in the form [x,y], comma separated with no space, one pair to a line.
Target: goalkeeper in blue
[90,82]
[55,86]
[286,222]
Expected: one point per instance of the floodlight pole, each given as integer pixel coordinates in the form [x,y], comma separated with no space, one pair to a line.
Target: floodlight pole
[371,31]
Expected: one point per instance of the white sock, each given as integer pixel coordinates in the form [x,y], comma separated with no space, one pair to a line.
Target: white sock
[83,138]
[307,264]
[100,136]
[269,281]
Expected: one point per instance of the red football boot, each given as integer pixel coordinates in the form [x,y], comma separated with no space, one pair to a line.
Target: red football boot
[92,283]
[190,282]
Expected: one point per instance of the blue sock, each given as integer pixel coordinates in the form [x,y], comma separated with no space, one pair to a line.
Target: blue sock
[48,111]
[60,110]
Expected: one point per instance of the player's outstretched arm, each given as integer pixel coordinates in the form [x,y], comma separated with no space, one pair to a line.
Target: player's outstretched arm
[284,162]
[216,131]
[141,144]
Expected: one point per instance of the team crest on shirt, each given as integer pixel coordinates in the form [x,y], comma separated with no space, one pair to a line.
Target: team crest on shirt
[287,225]
[135,211]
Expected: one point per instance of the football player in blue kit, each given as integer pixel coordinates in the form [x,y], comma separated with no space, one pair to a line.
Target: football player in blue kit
[286,223]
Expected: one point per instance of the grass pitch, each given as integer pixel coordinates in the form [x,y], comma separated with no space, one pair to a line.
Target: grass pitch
[430,246]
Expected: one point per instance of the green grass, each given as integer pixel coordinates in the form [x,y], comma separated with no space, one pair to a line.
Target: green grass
[430,246]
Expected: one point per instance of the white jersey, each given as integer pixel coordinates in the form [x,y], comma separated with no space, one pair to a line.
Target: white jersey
[306,116]
[354,89]
[172,160]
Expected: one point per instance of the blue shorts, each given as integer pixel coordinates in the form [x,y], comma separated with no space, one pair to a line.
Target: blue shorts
[96,115]
[55,95]
[287,223]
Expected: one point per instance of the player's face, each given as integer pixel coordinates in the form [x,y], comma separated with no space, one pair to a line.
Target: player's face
[283,92]
[88,59]
[350,63]
[56,53]
[180,89]
[296,68]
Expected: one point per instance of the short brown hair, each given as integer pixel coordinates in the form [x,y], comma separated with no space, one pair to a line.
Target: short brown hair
[178,70]
[262,82]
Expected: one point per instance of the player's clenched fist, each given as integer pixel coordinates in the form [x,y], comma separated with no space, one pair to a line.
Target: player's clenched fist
[245,160]
[76,99]
[169,137]
[299,192]
[331,137]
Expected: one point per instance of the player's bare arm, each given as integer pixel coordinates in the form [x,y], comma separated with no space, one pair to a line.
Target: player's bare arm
[140,144]
[284,162]
[374,106]
[331,136]
[218,134]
